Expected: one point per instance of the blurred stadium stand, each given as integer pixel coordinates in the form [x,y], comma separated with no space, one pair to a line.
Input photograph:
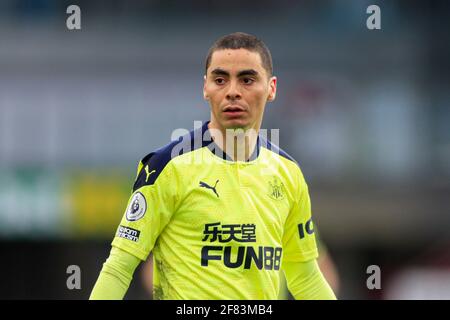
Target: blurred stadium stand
[365,113]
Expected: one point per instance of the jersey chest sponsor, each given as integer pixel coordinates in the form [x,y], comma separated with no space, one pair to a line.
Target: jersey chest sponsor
[259,257]
[218,235]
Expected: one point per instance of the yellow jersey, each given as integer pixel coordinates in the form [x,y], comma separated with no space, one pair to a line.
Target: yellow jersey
[218,229]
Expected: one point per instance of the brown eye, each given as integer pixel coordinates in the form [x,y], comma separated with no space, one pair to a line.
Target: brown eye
[247,80]
[219,81]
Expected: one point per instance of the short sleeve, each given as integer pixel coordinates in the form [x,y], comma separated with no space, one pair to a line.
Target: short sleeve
[299,243]
[149,209]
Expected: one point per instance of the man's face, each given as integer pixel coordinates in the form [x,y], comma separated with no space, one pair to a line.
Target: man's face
[237,87]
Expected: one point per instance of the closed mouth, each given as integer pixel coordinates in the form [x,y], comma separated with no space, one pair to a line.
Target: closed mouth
[233,108]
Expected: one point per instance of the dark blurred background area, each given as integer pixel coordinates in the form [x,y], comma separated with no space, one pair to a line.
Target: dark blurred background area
[366,113]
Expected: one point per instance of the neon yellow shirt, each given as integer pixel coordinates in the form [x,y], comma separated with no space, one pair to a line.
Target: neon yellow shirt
[218,229]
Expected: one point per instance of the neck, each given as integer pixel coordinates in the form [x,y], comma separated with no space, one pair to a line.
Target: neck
[238,143]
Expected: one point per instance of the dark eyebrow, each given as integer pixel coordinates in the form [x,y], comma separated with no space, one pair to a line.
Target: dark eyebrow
[249,72]
[220,72]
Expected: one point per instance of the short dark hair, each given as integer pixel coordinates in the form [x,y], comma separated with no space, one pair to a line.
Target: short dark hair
[241,40]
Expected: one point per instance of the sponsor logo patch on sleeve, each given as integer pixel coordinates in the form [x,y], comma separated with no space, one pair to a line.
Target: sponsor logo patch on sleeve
[128,233]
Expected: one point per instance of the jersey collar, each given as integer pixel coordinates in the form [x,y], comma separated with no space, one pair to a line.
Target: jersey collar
[208,142]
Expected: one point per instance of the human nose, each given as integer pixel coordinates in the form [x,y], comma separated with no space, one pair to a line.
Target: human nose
[233,91]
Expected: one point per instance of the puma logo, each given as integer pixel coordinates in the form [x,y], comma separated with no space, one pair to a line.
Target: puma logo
[207,186]
[148,173]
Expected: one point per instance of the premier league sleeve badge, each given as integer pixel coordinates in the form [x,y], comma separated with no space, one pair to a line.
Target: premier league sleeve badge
[137,207]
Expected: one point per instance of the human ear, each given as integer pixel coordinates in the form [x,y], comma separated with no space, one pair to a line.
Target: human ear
[272,89]
[205,95]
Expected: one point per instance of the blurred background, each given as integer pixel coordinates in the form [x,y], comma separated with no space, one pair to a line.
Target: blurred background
[365,112]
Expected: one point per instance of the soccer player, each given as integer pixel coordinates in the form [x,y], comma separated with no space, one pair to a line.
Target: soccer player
[225,215]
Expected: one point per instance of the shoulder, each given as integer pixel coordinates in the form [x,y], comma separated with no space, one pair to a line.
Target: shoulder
[276,151]
[289,166]
[153,164]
